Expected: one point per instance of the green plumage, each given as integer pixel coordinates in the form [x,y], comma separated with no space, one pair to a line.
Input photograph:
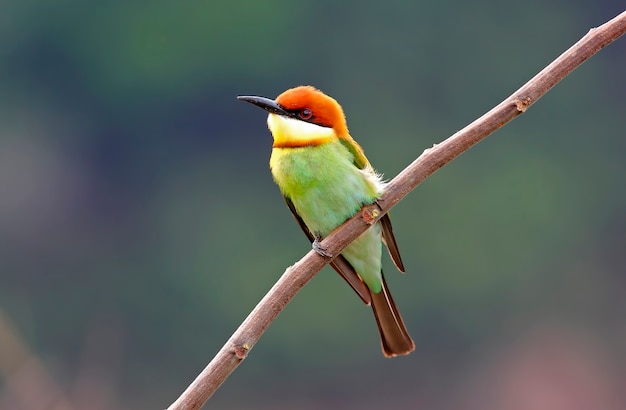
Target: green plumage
[326,188]
[325,179]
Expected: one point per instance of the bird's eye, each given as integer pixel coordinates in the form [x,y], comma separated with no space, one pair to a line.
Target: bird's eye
[305,114]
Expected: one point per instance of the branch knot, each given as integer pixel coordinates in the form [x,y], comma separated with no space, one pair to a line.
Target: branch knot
[522,104]
[241,351]
[370,214]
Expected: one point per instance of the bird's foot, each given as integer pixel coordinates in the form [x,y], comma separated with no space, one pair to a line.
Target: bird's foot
[317,247]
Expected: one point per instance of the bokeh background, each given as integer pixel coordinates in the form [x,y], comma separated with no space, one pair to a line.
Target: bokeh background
[139,223]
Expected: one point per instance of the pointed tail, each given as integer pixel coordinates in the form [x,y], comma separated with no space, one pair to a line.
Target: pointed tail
[394,337]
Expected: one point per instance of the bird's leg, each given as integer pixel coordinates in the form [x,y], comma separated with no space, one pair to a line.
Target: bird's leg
[317,247]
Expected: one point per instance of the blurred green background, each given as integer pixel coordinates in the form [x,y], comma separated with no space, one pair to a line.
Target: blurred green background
[139,223]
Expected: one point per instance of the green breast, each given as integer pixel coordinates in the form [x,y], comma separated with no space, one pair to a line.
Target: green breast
[323,183]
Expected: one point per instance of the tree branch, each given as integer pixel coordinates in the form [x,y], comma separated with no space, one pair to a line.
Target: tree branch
[295,277]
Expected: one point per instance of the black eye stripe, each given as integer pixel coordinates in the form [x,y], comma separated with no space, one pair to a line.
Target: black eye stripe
[306,115]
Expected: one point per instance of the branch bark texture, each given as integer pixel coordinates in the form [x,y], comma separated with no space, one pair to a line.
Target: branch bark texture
[295,277]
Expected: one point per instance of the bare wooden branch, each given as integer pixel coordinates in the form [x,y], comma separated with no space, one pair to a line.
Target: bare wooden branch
[296,276]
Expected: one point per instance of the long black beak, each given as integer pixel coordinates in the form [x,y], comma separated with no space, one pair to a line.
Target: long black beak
[267,104]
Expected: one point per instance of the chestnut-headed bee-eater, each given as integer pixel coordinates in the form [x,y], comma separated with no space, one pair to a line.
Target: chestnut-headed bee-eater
[325,179]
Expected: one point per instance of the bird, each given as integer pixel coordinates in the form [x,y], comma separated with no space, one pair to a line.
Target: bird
[325,179]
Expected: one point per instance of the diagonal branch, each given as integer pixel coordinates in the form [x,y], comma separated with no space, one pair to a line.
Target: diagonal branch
[296,276]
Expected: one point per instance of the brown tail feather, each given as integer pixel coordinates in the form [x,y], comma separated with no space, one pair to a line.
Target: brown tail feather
[394,337]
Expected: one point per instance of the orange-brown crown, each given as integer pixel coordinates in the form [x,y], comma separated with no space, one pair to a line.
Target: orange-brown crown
[325,110]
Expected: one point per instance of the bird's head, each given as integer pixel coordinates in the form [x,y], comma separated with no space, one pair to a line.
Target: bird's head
[302,116]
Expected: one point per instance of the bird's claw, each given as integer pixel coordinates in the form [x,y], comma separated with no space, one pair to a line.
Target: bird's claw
[317,247]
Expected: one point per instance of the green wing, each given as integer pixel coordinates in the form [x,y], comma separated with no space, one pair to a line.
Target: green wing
[360,161]
[358,157]
[339,264]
